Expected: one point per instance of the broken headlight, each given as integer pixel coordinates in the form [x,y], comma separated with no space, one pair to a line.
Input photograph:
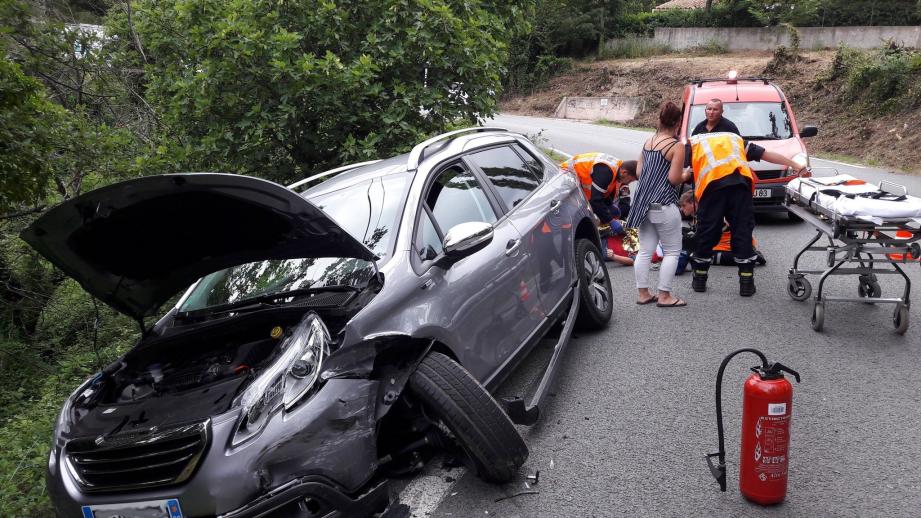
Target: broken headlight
[287,380]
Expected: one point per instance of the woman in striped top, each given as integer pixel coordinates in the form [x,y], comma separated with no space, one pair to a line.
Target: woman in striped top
[654,210]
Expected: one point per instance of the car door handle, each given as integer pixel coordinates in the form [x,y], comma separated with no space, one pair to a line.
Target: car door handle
[512,246]
[555,206]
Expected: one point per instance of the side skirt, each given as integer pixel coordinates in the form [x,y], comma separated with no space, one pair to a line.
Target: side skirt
[515,407]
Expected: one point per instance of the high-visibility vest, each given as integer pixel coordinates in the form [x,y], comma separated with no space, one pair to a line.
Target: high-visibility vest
[582,165]
[715,156]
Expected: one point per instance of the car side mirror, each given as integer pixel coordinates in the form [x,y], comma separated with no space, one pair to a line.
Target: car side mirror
[809,131]
[466,239]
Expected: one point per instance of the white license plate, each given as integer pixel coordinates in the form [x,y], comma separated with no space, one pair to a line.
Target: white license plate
[149,509]
[762,193]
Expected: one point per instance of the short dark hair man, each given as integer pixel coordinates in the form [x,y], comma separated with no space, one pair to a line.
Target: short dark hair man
[715,122]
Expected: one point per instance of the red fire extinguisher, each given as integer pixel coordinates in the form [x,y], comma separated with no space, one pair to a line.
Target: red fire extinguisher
[767,406]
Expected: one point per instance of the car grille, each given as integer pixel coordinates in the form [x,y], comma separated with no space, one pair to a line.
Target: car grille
[772,174]
[138,460]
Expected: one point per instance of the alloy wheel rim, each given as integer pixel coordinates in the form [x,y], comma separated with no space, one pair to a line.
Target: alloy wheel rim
[594,270]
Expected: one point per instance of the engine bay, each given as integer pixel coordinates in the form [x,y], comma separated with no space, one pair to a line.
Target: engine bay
[185,374]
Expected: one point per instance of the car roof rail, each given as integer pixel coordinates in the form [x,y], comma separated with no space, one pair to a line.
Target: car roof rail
[418,153]
[331,172]
[700,82]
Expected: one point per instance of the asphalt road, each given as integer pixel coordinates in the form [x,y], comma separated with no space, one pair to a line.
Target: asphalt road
[633,414]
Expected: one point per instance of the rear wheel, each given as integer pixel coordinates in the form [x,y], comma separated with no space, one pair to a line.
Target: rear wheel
[799,288]
[818,316]
[900,319]
[595,304]
[493,447]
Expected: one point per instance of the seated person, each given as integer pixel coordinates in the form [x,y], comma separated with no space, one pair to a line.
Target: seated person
[722,252]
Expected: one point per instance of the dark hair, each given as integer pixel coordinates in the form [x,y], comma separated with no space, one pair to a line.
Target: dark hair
[669,115]
[629,166]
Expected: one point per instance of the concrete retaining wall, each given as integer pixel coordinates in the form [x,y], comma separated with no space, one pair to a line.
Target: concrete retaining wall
[767,38]
[596,108]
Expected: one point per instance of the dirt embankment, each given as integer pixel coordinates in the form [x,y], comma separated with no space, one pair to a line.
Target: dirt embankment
[891,140]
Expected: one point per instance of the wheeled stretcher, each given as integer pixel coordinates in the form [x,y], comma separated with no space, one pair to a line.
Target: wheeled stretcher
[871,230]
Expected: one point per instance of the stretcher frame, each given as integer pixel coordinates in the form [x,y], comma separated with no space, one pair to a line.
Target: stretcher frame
[855,246]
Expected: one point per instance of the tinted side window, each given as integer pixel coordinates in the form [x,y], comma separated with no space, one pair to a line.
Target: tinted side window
[536,165]
[428,244]
[511,177]
[456,197]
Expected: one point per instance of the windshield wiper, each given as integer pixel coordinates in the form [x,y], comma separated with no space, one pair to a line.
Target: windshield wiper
[762,137]
[260,302]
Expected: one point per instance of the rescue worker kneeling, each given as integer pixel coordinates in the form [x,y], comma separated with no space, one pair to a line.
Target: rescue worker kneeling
[723,187]
[598,174]
[722,252]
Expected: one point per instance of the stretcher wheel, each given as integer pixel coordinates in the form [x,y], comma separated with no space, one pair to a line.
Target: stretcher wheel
[914,250]
[818,316]
[799,288]
[870,289]
[900,319]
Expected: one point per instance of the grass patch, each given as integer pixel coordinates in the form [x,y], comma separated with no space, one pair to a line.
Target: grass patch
[633,47]
[615,124]
[556,157]
[710,48]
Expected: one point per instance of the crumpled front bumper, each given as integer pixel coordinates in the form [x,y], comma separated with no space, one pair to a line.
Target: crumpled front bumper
[324,450]
[318,497]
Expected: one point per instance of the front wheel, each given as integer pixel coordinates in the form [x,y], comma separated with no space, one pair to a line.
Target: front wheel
[596,296]
[493,447]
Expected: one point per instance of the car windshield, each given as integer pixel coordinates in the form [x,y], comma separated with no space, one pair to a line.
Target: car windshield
[756,121]
[368,210]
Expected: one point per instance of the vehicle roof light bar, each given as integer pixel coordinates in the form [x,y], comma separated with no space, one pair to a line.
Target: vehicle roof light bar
[331,172]
[700,82]
[418,153]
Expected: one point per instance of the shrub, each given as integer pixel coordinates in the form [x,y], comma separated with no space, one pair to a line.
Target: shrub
[889,77]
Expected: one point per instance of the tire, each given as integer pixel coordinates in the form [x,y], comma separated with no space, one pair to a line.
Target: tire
[595,294]
[493,447]
[900,319]
[799,288]
[793,217]
[818,316]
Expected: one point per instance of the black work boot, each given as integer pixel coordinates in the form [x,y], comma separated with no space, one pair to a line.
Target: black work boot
[746,279]
[700,268]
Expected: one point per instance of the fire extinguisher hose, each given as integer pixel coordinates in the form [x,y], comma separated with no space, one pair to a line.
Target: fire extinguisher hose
[719,470]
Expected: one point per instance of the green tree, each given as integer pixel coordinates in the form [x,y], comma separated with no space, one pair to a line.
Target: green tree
[278,89]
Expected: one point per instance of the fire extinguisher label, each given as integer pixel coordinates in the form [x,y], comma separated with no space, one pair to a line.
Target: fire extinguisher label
[777,408]
[770,453]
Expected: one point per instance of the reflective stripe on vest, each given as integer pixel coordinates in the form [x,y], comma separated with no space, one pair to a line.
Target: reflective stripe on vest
[717,155]
[582,165]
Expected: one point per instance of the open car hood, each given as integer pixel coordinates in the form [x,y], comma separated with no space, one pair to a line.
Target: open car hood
[137,243]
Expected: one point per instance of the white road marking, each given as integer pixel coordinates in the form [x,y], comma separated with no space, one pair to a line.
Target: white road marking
[840,163]
[424,494]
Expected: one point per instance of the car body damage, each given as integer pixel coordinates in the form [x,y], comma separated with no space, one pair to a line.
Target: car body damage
[311,357]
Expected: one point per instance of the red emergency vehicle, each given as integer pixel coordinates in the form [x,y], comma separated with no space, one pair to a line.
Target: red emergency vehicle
[763,115]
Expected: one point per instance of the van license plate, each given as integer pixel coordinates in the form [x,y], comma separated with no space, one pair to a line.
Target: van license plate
[762,193]
[149,509]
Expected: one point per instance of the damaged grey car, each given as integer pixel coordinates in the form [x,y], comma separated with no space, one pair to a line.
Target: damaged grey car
[336,333]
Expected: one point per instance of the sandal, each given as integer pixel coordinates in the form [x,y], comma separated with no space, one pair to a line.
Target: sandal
[677,304]
[650,300]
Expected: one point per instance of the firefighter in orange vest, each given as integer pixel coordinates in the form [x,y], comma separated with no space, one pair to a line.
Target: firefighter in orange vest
[723,187]
[597,174]
[722,252]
